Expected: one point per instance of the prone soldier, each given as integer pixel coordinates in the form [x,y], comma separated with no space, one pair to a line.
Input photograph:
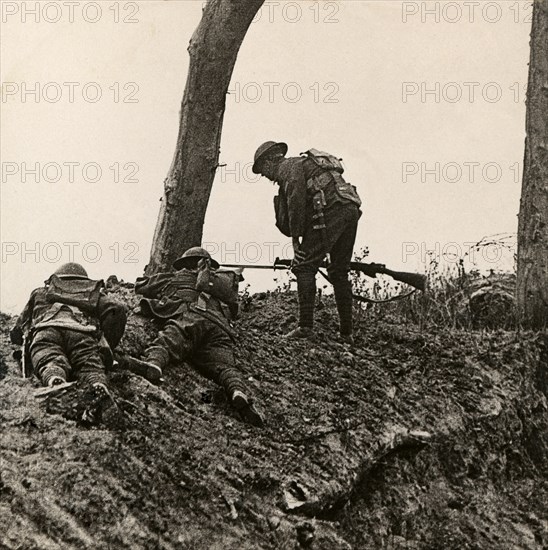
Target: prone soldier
[319,210]
[71,326]
[196,303]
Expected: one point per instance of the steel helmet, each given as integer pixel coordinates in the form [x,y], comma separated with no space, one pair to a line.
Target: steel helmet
[71,271]
[265,150]
[189,257]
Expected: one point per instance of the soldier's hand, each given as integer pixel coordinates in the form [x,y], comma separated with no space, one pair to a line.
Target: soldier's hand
[296,244]
[16,335]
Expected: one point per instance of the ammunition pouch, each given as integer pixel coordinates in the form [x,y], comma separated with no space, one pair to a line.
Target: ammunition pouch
[344,190]
[328,188]
[329,183]
[83,294]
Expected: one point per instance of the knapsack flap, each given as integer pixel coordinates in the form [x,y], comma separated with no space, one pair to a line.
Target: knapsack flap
[324,160]
[81,293]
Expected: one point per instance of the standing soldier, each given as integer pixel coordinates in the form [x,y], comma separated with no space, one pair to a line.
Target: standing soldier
[70,327]
[196,303]
[319,210]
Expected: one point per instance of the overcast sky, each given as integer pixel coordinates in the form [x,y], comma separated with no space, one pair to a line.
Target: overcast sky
[423,101]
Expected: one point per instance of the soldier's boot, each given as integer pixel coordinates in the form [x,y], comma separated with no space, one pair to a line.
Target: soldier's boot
[153,373]
[151,366]
[306,291]
[96,402]
[54,378]
[53,375]
[231,380]
[246,409]
[343,298]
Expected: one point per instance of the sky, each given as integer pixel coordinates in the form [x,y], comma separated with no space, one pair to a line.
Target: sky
[423,101]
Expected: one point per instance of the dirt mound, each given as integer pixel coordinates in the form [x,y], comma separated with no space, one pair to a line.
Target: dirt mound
[412,439]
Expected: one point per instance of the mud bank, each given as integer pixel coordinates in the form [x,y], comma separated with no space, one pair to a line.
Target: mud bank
[430,439]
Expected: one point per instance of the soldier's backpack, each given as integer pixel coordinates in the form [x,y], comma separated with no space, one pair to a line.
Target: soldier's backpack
[81,293]
[219,283]
[324,160]
[332,170]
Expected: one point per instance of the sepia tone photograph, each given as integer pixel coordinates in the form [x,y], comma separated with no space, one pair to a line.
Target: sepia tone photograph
[274,274]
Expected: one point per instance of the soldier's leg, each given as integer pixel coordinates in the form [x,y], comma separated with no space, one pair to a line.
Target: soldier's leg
[315,246]
[305,266]
[341,256]
[214,358]
[49,361]
[84,353]
[171,344]
[174,343]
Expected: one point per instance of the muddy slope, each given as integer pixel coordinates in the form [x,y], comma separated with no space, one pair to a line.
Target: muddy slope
[412,439]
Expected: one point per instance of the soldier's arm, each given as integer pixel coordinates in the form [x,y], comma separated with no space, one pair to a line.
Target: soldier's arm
[23,322]
[295,191]
[112,316]
[152,287]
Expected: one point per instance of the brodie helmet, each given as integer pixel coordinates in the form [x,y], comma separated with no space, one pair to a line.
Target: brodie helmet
[266,150]
[190,256]
[71,271]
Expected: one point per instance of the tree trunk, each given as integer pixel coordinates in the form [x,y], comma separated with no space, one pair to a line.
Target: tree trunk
[213,51]
[532,280]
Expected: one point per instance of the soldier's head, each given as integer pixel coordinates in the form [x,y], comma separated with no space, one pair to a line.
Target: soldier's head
[267,158]
[71,271]
[191,258]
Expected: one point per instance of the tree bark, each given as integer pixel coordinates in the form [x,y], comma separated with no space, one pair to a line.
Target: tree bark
[213,50]
[532,277]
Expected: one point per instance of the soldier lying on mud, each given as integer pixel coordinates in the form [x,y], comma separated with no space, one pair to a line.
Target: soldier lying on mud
[69,328]
[196,303]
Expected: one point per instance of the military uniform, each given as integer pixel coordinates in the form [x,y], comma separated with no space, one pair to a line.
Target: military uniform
[197,329]
[317,205]
[71,328]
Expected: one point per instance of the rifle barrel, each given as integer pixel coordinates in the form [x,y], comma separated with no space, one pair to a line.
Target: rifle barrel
[252,266]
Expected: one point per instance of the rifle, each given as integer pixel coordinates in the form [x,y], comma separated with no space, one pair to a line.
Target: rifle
[416,280]
[22,356]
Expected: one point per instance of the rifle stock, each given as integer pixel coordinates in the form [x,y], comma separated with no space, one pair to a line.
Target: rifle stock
[416,280]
